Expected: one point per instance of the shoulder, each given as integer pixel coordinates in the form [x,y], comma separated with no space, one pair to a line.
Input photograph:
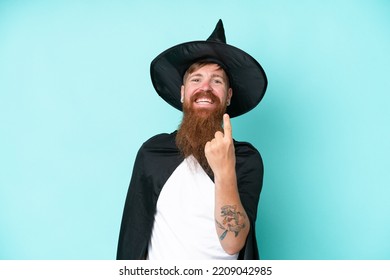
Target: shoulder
[161,141]
[248,158]
[246,149]
[159,155]
[161,147]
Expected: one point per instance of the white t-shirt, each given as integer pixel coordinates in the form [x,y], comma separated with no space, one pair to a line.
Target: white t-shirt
[184,226]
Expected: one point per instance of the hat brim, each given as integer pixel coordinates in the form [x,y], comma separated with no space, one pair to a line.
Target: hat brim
[246,76]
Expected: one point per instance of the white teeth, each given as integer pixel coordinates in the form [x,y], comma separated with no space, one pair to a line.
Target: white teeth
[203,100]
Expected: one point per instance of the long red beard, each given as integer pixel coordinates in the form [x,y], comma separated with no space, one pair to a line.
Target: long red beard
[198,127]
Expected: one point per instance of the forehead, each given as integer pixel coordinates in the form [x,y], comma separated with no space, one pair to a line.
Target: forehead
[212,68]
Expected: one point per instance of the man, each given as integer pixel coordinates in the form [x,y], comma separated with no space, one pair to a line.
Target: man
[194,193]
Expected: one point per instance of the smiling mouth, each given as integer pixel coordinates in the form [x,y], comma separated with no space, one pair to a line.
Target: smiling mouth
[203,101]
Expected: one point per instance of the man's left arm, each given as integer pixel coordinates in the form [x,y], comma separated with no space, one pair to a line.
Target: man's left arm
[232,223]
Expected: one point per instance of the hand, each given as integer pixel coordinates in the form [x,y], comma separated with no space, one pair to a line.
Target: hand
[220,150]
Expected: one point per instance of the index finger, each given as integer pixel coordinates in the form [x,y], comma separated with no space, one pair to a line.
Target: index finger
[227,126]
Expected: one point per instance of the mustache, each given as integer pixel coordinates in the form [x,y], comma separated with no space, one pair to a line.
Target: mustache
[205,94]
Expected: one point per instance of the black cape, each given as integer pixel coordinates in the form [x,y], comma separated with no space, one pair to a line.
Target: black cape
[156,160]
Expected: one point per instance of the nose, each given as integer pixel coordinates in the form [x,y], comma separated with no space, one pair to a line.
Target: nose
[206,86]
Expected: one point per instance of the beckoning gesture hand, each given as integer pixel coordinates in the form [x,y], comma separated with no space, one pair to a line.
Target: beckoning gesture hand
[220,150]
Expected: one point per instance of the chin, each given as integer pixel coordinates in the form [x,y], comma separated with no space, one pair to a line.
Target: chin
[204,112]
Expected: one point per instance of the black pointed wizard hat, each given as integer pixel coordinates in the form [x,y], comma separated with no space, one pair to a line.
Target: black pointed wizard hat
[246,76]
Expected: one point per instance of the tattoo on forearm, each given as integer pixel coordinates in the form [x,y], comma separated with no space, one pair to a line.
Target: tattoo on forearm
[233,220]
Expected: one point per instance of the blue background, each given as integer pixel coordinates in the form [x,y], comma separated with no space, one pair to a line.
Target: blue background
[76,102]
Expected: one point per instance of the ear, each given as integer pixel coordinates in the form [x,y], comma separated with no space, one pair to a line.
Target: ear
[229,96]
[182,94]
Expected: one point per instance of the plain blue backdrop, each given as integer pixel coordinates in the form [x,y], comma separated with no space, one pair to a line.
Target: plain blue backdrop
[76,103]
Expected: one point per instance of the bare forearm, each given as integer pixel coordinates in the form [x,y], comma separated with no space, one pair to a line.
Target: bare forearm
[232,223]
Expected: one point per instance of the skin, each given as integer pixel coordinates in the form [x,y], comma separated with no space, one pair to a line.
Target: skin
[232,224]
[207,78]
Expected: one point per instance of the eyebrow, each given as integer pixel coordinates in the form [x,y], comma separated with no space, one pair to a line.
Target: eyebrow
[217,75]
[195,75]
[200,75]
